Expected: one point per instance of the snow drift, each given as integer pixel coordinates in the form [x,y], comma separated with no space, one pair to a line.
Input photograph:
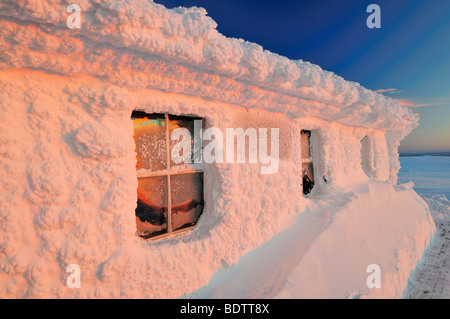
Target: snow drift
[67,158]
[325,252]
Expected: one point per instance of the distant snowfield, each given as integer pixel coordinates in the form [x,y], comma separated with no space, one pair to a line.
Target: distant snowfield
[431,176]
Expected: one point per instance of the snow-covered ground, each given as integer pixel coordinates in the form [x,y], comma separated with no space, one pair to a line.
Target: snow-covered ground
[431,176]
[281,271]
[324,252]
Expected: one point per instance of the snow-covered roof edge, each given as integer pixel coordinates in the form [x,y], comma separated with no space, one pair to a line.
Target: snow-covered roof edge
[141,44]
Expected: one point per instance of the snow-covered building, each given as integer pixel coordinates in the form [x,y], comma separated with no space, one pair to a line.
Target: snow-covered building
[88,178]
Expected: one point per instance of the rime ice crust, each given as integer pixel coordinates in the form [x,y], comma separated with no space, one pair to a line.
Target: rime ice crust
[139,44]
[67,154]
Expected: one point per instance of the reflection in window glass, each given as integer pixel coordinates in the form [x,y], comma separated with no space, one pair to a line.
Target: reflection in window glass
[308,178]
[187,199]
[157,183]
[151,210]
[150,138]
[176,122]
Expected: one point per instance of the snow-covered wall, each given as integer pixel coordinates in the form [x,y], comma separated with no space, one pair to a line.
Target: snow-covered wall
[67,153]
[139,44]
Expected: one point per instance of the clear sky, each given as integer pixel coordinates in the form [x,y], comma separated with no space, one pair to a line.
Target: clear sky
[408,58]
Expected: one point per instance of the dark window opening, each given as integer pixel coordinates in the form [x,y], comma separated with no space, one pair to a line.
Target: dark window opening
[307,162]
[170,195]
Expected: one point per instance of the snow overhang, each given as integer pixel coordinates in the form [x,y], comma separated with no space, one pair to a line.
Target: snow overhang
[139,44]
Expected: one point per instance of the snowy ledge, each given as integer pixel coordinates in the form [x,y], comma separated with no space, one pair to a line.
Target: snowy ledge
[140,44]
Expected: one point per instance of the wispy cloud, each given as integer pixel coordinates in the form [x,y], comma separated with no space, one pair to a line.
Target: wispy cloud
[389,91]
[411,104]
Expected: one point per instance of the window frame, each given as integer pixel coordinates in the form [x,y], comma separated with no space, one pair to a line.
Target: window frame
[309,160]
[168,172]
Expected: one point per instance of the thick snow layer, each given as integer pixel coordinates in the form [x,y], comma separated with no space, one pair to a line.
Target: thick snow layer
[327,249]
[68,162]
[69,191]
[140,44]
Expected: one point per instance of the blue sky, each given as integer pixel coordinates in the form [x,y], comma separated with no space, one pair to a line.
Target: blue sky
[408,58]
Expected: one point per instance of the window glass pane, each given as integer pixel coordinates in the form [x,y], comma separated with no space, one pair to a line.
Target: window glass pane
[151,211]
[188,123]
[308,177]
[306,144]
[366,156]
[150,138]
[187,199]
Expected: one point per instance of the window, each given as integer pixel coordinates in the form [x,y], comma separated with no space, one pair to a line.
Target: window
[307,162]
[170,194]
[366,156]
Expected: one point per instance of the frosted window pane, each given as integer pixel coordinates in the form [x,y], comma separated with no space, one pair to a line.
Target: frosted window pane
[187,199]
[366,162]
[151,211]
[187,123]
[306,145]
[150,138]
